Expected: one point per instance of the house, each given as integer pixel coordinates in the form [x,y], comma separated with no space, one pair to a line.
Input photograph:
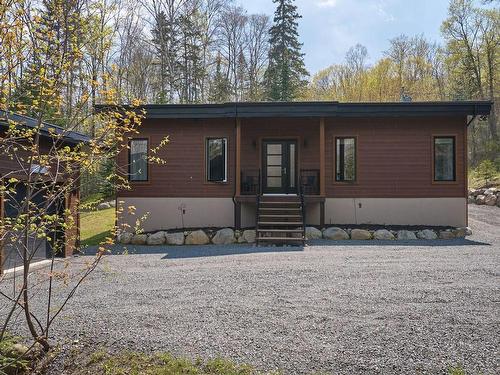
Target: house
[238,164]
[14,168]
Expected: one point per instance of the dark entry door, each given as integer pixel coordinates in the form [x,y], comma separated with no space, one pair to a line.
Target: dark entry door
[279,165]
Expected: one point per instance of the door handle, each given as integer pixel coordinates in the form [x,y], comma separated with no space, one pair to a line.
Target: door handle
[284,170]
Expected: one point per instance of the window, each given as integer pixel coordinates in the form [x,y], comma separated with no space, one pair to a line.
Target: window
[138,160]
[345,159]
[444,159]
[216,149]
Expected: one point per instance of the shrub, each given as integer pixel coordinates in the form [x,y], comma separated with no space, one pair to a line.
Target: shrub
[486,170]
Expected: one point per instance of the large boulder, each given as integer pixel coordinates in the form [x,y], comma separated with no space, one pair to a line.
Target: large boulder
[498,200]
[490,200]
[112,203]
[176,238]
[125,237]
[383,234]
[474,192]
[157,238]
[313,233]
[224,236]
[446,235]
[139,239]
[427,234]
[103,206]
[491,191]
[334,233]
[406,235]
[360,234]
[462,232]
[197,237]
[471,199]
[481,199]
[248,236]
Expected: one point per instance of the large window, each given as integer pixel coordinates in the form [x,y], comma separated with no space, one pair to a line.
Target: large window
[216,149]
[138,160]
[444,159]
[345,159]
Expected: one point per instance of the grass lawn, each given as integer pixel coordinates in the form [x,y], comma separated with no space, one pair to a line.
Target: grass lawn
[96,225]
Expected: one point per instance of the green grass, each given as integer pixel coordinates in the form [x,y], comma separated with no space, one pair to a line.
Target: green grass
[133,363]
[96,225]
[475,182]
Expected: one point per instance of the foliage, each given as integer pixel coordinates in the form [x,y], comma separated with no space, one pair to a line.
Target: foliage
[486,171]
[158,364]
[96,226]
[286,73]
[10,361]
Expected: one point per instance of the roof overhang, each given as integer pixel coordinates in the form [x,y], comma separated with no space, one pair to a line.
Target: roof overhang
[46,129]
[315,109]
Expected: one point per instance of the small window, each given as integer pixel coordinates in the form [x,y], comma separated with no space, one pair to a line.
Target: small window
[345,159]
[138,160]
[444,159]
[216,149]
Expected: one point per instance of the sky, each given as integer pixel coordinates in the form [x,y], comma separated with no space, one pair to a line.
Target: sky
[329,27]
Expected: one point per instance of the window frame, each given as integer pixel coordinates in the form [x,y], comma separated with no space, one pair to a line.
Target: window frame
[226,160]
[356,169]
[433,166]
[147,180]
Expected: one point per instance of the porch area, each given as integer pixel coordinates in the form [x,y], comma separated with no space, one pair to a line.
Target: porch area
[281,158]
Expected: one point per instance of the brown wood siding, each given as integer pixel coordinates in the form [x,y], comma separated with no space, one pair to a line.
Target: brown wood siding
[395,157]
[184,173]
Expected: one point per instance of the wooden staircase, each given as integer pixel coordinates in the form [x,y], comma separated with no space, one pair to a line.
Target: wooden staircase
[280,220]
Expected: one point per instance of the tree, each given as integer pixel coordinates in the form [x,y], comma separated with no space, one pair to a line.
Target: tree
[286,74]
[220,90]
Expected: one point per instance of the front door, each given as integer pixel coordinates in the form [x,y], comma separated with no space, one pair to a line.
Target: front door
[279,166]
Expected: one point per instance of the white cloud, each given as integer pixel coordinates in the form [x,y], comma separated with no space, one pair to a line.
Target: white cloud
[326,3]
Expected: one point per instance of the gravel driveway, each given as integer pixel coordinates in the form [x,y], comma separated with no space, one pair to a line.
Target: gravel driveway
[344,308]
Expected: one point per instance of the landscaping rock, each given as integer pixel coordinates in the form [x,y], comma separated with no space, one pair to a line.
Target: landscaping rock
[103,206]
[360,234]
[498,201]
[427,234]
[480,199]
[446,235]
[249,235]
[157,238]
[197,237]
[19,350]
[383,234]
[406,235]
[491,191]
[139,239]
[125,238]
[335,233]
[313,233]
[490,200]
[471,199]
[462,232]
[224,236]
[175,238]
[112,203]
[474,192]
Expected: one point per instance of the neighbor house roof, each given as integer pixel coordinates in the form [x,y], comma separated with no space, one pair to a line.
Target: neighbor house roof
[315,109]
[68,136]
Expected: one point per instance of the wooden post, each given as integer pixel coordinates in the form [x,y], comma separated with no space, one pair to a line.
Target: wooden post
[322,186]
[238,158]
[2,259]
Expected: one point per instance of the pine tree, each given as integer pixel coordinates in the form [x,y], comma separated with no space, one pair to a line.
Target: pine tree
[286,74]
[220,90]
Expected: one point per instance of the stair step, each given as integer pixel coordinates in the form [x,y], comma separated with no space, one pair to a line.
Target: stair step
[280,238]
[279,208]
[281,230]
[299,223]
[280,215]
[280,202]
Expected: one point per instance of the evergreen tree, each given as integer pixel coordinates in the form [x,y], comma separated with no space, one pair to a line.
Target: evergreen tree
[286,74]
[220,90]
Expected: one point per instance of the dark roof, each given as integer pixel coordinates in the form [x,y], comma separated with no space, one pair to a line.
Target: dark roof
[315,109]
[68,136]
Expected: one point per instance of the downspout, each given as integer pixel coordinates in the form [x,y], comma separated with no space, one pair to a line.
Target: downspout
[235,152]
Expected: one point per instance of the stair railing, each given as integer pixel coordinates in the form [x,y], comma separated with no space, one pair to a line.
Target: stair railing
[257,204]
[303,206]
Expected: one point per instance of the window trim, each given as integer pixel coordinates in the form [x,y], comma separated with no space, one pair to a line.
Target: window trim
[147,180]
[226,160]
[356,161]
[433,165]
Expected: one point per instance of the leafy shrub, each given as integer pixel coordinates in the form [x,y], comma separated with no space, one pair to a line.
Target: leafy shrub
[486,170]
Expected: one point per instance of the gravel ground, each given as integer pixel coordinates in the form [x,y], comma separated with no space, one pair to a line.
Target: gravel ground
[344,308]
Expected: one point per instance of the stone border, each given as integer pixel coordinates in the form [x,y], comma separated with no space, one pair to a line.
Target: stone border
[484,196]
[226,236]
